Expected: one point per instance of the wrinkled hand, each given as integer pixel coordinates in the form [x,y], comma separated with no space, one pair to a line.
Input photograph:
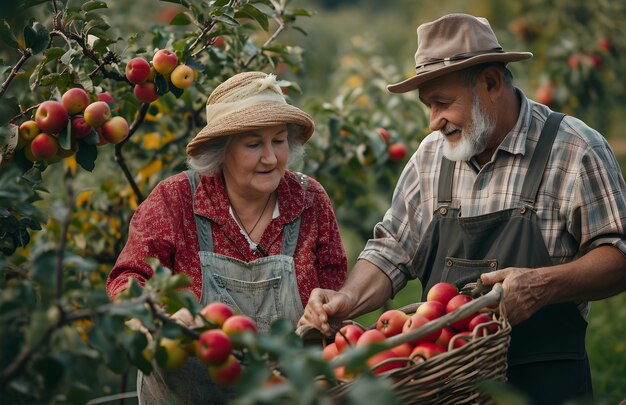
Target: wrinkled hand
[525,291]
[324,306]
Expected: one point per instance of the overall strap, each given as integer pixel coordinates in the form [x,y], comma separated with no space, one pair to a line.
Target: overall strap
[540,158]
[444,193]
[292,229]
[203,225]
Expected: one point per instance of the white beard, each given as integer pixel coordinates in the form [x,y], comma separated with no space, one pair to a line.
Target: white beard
[473,138]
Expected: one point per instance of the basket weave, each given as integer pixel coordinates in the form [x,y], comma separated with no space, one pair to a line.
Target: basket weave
[450,377]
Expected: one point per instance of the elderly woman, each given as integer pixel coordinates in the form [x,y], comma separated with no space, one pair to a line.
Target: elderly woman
[238,223]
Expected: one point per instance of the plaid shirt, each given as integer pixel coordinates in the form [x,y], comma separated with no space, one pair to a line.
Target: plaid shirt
[580,202]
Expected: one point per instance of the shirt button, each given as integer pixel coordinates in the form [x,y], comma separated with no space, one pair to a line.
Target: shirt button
[443,210]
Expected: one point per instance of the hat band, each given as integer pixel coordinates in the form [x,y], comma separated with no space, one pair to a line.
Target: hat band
[458,56]
[214,111]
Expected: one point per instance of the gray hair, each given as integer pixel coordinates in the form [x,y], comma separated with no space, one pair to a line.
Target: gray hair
[470,75]
[210,157]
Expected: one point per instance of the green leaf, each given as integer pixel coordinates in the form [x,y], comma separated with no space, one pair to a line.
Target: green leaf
[220,3]
[53,53]
[65,137]
[9,108]
[176,91]
[44,273]
[160,84]
[38,327]
[256,14]
[86,156]
[32,176]
[92,138]
[93,5]
[181,19]
[7,35]
[226,19]
[36,37]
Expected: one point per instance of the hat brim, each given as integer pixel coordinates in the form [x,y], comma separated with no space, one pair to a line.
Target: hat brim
[252,118]
[436,70]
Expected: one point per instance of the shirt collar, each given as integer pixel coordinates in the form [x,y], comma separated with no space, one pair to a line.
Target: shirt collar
[211,200]
[515,140]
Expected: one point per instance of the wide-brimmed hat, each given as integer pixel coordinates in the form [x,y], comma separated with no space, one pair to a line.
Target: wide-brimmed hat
[451,43]
[246,102]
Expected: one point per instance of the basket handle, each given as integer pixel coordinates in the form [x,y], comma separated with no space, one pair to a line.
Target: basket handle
[490,299]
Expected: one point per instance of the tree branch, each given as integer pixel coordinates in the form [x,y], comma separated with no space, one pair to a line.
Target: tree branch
[119,157]
[279,30]
[27,54]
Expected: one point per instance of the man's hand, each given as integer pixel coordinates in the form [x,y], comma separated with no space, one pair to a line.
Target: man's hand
[323,306]
[525,291]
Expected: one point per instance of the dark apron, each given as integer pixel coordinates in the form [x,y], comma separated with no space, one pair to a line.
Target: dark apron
[547,358]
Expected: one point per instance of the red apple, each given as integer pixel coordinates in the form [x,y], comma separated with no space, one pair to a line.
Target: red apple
[370,337]
[51,117]
[426,351]
[115,130]
[106,97]
[455,303]
[218,42]
[461,339]
[485,323]
[213,346]
[382,132]
[137,70]
[164,61]
[390,322]
[374,361]
[431,309]
[347,336]
[237,324]
[445,336]
[75,100]
[217,312]
[145,92]
[44,146]
[442,292]
[80,128]
[397,151]
[545,93]
[330,351]
[227,373]
[101,139]
[342,375]
[182,76]
[176,353]
[604,44]
[97,113]
[28,130]
[403,350]
[415,321]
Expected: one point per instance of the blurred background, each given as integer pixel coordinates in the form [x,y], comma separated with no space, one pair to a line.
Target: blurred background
[338,56]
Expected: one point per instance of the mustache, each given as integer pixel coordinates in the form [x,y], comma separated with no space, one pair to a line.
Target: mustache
[448,129]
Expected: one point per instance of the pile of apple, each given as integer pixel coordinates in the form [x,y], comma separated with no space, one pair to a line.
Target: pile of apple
[40,137]
[164,63]
[442,298]
[215,346]
[396,150]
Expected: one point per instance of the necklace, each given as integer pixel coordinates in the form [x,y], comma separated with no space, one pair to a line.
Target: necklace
[249,232]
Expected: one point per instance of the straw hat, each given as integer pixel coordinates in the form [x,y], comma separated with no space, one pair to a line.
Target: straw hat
[246,102]
[451,43]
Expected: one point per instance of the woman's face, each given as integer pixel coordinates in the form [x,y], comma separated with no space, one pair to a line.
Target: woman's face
[256,161]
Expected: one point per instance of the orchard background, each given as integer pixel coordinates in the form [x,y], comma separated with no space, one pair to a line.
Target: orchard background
[64,221]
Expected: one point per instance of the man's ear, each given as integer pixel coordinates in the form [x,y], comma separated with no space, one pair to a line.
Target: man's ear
[493,82]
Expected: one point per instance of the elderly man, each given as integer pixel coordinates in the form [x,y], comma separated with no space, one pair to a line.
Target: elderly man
[503,189]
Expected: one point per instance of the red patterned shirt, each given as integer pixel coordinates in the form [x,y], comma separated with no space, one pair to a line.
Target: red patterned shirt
[164,227]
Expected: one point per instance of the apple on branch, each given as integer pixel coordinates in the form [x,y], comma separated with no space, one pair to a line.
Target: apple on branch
[213,346]
[115,130]
[176,353]
[75,100]
[226,373]
[51,117]
[97,113]
[137,70]
[44,146]
[164,61]
[182,76]
[145,92]
[217,313]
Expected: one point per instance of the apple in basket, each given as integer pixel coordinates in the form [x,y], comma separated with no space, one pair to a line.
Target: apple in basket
[416,321]
[347,336]
[485,324]
[455,303]
[425,351]
[390,322]
[442,292]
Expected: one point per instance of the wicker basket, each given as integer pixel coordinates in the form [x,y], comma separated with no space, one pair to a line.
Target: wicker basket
[450,377]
